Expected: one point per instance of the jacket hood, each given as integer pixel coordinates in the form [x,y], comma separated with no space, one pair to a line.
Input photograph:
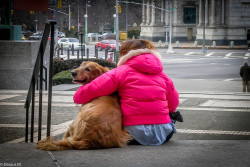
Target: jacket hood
[144,60]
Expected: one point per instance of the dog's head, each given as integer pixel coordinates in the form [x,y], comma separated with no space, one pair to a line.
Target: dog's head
[87,72]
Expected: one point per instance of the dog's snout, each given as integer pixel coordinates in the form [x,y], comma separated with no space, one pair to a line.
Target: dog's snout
[73,73]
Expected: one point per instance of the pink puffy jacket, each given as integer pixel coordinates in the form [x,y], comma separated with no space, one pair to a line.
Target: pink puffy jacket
[147,94]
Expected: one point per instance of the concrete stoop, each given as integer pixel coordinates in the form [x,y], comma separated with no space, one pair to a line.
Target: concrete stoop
[183,153]
[17,59]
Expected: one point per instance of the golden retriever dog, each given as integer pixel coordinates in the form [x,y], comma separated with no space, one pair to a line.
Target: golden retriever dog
[98,124]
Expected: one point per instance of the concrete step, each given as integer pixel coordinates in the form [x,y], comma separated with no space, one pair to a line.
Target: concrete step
[17,59]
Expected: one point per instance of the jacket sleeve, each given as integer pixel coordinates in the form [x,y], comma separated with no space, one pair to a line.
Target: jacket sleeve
[103,85]
[172,97]
[241,71]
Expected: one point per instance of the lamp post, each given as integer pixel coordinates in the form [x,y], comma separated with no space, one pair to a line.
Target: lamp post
[86,27]
[170,48]
[69,17]
[204,26]
[36,24]
[117,29]
[114,23]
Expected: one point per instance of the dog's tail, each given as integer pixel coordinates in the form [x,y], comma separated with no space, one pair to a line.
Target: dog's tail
[49,144]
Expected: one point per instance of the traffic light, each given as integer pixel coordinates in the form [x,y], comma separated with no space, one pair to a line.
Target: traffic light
[119,9]
[12,12]
[59,3]
[32,12]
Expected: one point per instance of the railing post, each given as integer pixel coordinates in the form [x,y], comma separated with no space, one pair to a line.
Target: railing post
[87,53]
[106,52]
[31,92]
[61,49]
[73,49]
[32,110]
[52,29]
[68,54]
[77,53]
[115,55]
[96,52]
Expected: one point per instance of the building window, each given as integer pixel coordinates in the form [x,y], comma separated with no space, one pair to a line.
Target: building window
[189,15]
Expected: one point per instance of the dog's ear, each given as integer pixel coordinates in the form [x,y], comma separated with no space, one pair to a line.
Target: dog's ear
[85,63]
[100,70]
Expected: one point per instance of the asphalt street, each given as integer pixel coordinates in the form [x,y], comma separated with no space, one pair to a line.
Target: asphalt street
[216,118]
[210,98]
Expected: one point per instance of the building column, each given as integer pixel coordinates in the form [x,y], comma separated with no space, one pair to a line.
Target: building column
[206,13]
[148,14]
[222,12]
[143,13]
[201,13]
[167,13]
[213,13]
[162,12]
[153,12]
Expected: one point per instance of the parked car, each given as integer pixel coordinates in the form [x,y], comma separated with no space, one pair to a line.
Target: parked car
[68,42]
[111,44]
[61,34]
[35,36]
[95,36]
[108,36]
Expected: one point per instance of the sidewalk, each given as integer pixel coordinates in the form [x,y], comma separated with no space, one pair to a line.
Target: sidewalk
[183,153]
[205,150]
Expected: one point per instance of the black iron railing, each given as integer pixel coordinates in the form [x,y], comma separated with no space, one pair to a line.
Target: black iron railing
[38,72]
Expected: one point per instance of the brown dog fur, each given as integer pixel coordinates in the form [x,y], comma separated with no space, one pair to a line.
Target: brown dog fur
[98,124]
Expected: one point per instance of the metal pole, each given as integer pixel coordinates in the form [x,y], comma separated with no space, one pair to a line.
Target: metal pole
[86,23]
[52,24]
[32,110]
[78,17]
[69,17]
[127,18]
[170,48]
[117,32]
[204,27]
[114,23]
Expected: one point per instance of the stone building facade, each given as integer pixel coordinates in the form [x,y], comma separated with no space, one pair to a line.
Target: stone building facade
[225,20]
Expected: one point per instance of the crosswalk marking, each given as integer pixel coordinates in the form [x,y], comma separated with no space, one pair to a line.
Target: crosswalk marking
[247,56]
[212,109]
[189,53]
[209,54]
[228,55]
[217,132]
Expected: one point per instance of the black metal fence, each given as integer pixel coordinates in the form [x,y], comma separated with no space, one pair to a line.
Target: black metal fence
[38,73]
[83,53]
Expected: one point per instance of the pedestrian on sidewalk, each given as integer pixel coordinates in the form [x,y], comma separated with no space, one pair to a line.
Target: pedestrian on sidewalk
[147,94]
[245,75]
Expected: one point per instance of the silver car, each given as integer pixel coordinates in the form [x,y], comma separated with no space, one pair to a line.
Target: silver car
[69,42]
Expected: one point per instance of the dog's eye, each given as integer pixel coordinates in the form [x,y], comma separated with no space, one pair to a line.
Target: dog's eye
[87,69]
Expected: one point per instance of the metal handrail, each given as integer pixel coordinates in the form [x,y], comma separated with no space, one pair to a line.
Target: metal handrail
[38,68]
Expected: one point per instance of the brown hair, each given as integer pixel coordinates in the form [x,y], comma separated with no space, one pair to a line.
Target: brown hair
[135,44]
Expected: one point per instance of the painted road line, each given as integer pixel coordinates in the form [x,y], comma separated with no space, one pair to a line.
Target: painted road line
[247,56]
[215,96]
[189,53]
[2,97]
[17,126]
[44,104]
[55,130]
[227,104]
[209,54]
[228,79]
[213,132]
[228,55]
[212,109]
